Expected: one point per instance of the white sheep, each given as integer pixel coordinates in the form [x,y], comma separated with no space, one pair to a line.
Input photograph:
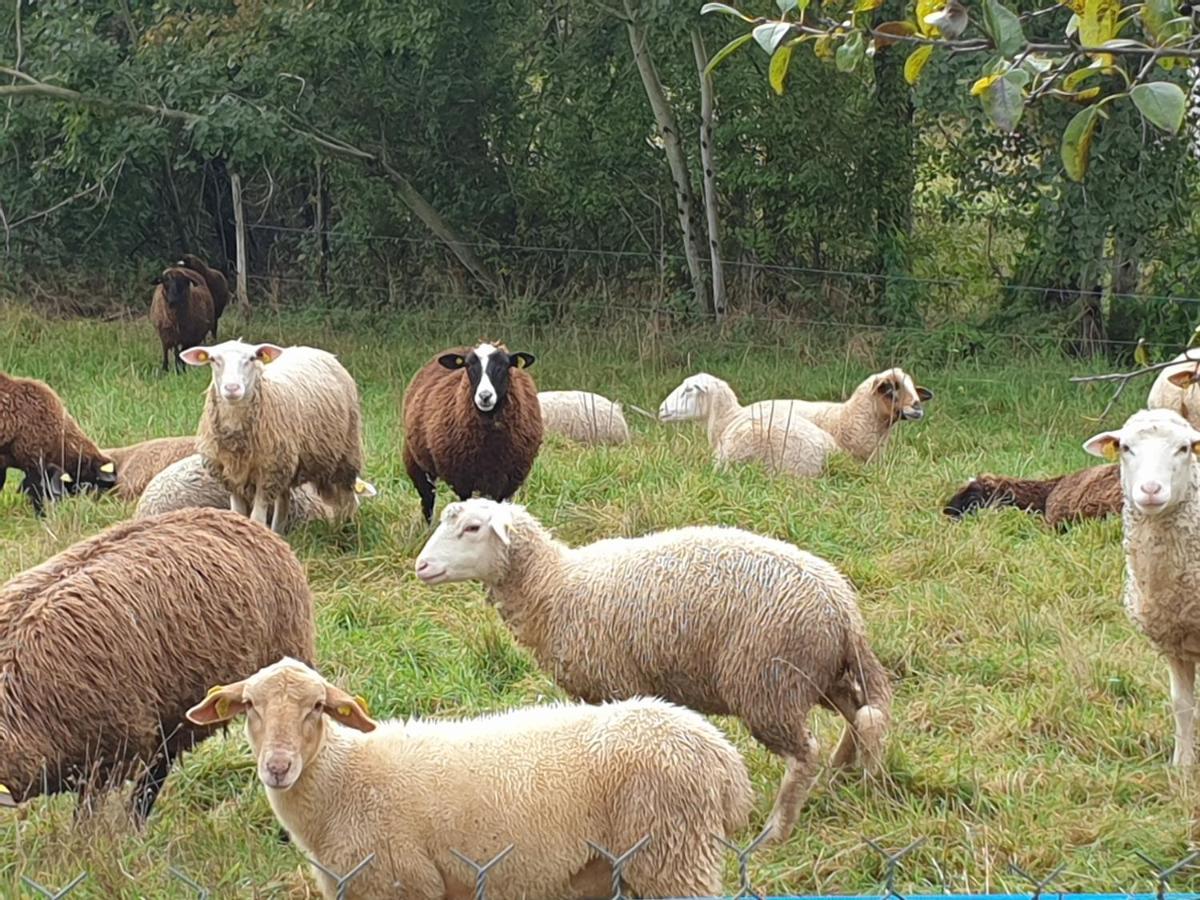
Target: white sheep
[717,619]
[1160,478]
[584,417]
[545,779]
[770,431]
[1174,390]
[274,419]
[189,483]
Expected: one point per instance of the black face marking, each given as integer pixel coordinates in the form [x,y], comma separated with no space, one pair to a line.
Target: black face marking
[178,289]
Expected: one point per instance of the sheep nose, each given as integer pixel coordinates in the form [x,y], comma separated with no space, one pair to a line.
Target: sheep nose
[422,566]
[278,766]
[232,391]
[1150,488]
[485,396]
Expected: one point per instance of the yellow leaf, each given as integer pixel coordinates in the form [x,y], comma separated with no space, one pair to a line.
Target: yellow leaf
[1076,6]
[984,83]
[823,47]
[916,62]
[1098,23]
[925,8]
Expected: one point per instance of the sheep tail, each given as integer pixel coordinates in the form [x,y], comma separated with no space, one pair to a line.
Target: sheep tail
[874,695]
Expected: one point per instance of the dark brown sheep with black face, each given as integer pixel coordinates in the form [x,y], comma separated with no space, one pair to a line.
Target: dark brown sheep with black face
[472,419]
[1091,493]
[36,430]
[181,311]
[217,285]
[104,647]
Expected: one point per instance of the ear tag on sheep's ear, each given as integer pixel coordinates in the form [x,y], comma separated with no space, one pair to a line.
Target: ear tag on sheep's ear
[201,356]
[212,690]
[108,468]
[1110,451]
[362,703]
[222,708]
[65,478]
[6,798]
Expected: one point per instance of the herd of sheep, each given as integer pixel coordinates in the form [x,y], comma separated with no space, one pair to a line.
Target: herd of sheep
[132,645]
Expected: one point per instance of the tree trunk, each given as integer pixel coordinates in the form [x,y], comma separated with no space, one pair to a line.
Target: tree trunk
[708,161]
[664,118]
[239,218]
[319,229]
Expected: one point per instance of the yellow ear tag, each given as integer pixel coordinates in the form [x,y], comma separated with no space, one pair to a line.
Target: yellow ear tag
[4,790]
[459,361]
[212,690]
[1110,452]
[359,485]
[520,362]
[343,710]
[66,479]
[223,708]
[107,468]
[202,356]
[362,702]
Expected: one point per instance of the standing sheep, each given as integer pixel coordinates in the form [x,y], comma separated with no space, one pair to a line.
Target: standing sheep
[717,619]
[138,463]
[767,432]
[1160,478]
[50,484]
[105,646]
[1091,493]
[274,419]
[1174,389]
[472,419]
[36,430]
[583,416]
[545,779]
[214,279]
[181,311]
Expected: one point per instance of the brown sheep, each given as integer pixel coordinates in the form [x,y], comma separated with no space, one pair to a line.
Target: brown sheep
[181,311]
[36,430]
[104,647]
[217,285]
[471,418]
[138,463]
[1091,493]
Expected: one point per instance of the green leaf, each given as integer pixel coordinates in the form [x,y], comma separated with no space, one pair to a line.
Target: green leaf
[1076,78]
[1077,142]
[725,9]
[916,62]
[770,34]
[861,6]
[786,6]
[725,51]
[1004,27]
[1162,103]
[779,67]
[1165,28]
[850,54]
[1004,101]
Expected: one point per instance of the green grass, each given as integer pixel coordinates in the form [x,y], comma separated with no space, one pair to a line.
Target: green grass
[1031,720]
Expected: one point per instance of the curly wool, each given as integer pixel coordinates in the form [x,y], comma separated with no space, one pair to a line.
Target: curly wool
[137,464]
[104,646]
[584,417]
[1090,493]
[1183,400]
[214,279]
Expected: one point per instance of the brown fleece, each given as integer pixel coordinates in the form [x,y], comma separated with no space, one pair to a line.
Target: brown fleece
[1088,494]
[138,463]
[180,329]
[104,647]
[218,287]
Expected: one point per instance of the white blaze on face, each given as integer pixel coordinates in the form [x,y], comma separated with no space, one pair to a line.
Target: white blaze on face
[485,391]
[685,402]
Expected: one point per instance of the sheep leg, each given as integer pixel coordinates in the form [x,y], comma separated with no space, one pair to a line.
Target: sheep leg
[166,356]
[283,505]
[145,792]
[793,790]
[1183,704]
[422,482]
[238,504]
[262,507]
[179,364]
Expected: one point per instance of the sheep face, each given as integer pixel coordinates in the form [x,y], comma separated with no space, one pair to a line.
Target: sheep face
[285,706]
[236,367]
[688,401]
[898,397]
[469,543]
[50,484]
[488,369]
[178,287]
[1157,449]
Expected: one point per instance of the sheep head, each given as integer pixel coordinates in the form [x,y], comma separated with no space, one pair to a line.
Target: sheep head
[236,367]
[1157,450]
[691,400]
[488,368]
[469,544]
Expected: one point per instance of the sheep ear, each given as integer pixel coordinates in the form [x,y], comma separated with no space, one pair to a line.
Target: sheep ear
[452,360]
[499,524]
[364,488]
[924,394]
[267,353]
[157,279]
[196,356]
[223,702]
[1183,379]
[1104,445]
[350,711]
[521,360]
[65,478]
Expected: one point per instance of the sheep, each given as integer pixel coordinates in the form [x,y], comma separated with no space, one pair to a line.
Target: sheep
[1091,493]
[188,483]
[105,646]
[181,311]
[138,463]
[1174,389]
[274,419]
[214,279]
[50,484]
[717,619]
[1160,480]
[547,780]
[471,418]
[36,430]
[766,432]
[861,424]
[584,417]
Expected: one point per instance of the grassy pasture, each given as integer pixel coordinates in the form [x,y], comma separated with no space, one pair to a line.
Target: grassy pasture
[1031,721]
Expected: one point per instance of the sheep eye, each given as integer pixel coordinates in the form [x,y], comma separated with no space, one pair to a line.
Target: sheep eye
[1124,448]
[1183,449]
[471,529]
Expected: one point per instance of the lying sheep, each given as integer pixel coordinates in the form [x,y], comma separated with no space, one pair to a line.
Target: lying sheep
[717,619]
[36,430]
[105,646]
[138,463]
[274,419]
[1160,478]
[584,417]
[1091,493]
[188,483]
[1174,389]
[181,311]
[767,432]
[472,419]
[214,279]
[545,779]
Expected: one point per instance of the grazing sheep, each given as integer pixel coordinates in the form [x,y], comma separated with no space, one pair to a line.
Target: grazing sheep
[862,423]
[105,646]
[181,310]
[274,419]
[767,432]
[50,484]
[546,779]
[214,279]
[1160,478]
[1091,493]
[189,483]
[717,619]
[36,430]
[472,419]
[584,417]
[138,463]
